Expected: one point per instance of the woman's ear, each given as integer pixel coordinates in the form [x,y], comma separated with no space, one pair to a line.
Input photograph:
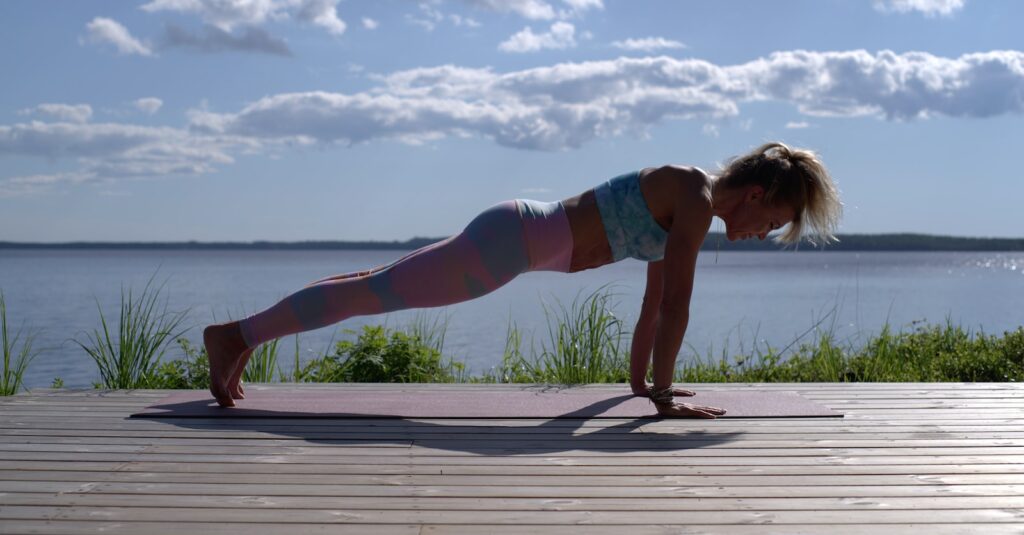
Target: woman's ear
[755,193]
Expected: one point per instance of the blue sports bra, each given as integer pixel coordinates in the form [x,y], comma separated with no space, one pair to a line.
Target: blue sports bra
[628,223]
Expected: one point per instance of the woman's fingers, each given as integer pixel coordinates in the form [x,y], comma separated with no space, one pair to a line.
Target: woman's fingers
[686,409]
[702,408]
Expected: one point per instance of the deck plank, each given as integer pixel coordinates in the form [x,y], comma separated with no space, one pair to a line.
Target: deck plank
[948,458]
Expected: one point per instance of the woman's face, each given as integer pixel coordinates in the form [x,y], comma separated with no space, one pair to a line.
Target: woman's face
[752,218]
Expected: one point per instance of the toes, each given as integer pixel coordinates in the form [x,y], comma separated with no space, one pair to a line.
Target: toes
[235,380]
[237,392]
[222,397]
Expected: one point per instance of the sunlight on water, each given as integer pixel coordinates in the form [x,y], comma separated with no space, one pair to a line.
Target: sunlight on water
[1009,262]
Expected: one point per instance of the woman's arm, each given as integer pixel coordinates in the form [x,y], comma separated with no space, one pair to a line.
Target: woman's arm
[690,225]
[643,335]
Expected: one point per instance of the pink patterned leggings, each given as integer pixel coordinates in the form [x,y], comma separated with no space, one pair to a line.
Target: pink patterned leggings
[507,239]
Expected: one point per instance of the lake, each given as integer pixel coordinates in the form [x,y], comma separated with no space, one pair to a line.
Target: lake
[739,299]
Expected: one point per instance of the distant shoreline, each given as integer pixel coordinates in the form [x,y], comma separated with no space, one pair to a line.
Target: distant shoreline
[714,240]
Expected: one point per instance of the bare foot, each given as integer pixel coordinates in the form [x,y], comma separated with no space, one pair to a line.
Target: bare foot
[235,382]
[224,352]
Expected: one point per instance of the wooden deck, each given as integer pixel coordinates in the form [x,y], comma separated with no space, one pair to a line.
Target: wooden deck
[907,458]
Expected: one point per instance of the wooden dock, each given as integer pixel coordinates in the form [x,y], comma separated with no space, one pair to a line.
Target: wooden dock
[933,458]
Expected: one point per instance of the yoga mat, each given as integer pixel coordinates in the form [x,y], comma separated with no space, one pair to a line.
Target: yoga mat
[533,402]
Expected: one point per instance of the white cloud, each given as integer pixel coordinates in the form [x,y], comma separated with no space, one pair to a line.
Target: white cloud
[459,20]
[213,40]
[798,124]
[710,130]
[111,151]
[149,105]
[108,31]
[558,107]
[225,14]
[930,8]
[323,13]
[565,105]
[530,9]
[229,14]
[560,36]
[429,17]
[578,7]
[895,86]
[648,44]
[75,113]
[41,183]
[538,9]
[370,24]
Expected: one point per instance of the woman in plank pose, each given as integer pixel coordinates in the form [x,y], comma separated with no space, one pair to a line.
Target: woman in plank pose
[660,215]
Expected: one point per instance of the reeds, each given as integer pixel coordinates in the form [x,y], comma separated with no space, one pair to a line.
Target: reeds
[585,344]
[16,359]
[129,357]
[262,364]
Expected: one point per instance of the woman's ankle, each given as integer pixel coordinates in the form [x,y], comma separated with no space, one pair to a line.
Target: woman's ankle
[237,336]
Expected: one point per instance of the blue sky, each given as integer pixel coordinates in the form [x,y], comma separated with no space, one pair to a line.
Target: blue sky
[379,120]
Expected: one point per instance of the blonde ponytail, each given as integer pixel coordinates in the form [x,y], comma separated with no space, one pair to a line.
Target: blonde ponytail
[792,177]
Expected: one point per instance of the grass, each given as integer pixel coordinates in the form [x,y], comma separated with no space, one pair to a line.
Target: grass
[129,356]
[16,359]
[262,364]
[585,343]
[927,353]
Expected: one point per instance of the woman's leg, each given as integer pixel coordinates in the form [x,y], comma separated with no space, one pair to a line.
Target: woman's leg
[376,269]
[490,252]
[235,381]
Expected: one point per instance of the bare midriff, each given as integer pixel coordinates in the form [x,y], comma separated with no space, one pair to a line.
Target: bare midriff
[590,243]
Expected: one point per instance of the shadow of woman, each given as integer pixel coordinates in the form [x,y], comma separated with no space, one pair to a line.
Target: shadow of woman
[564,433]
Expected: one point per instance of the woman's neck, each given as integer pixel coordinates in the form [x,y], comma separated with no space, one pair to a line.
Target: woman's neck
[723,199]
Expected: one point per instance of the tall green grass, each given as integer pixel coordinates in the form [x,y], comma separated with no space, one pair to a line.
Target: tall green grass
[927,353]
[16,359]
[584,345]
[129,354]
[262,364]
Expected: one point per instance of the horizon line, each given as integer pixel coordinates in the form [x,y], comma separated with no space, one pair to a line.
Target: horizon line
[902,241]
[418,238]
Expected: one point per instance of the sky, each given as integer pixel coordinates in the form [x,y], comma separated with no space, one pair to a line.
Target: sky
[240,120]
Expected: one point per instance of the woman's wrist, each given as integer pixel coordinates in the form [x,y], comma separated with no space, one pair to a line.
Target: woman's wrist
[662,395]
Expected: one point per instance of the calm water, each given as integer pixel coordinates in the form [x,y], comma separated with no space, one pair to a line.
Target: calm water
[740,300]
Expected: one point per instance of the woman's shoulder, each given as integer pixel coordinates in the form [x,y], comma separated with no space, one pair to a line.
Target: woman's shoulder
[678,180]
[691,172]
[673,189]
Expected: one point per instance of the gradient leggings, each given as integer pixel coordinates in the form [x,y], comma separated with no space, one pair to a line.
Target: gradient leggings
[507,239]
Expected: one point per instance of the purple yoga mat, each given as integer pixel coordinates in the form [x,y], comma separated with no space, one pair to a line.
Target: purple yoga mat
[530,402]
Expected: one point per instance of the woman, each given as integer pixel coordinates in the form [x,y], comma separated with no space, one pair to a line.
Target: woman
[660,215]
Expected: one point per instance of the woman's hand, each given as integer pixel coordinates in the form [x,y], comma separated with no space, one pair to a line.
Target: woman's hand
[644,391]
[688,410]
